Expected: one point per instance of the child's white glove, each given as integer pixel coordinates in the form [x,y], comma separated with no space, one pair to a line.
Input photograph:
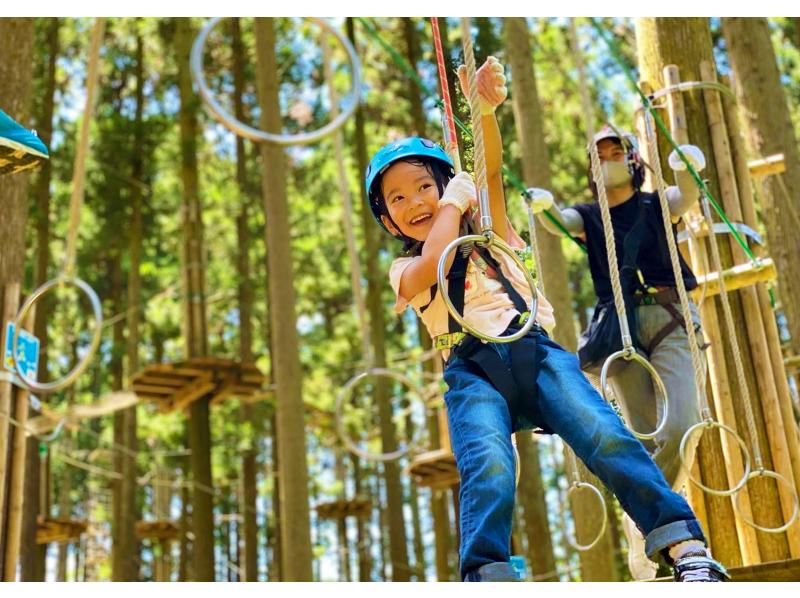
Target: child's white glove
[460,192]
[540,200]
[693,153]
[492,90]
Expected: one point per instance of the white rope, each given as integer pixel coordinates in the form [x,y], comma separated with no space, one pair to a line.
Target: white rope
[697,364]
[79,170]
[733,339]
[597,175]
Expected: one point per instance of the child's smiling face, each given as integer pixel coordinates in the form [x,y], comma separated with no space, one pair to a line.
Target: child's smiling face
[412,199]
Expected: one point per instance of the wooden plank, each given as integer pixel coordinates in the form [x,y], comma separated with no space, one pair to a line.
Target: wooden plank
[156,380]
[144,389]
[168,368]
[792,362]
[788,570]
[738,277]
[192,393]
[157,530]
[435,469]
[59,530]
[338,509]
[767,166]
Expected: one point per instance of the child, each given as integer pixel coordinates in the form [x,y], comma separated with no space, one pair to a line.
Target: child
[415,196]
[20,149]
[654,306]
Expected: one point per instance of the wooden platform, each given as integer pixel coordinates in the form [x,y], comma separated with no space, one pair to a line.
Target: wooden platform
[735,278]
[176,385]
[773,571]
[434,469]
[59,530]
[157,530]
[339,509]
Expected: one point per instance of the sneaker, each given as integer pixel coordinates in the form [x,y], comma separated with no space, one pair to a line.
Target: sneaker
[699,566]
[20,149]
[640,566]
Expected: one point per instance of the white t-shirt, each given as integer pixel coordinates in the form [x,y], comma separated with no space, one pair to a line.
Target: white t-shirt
[487,306]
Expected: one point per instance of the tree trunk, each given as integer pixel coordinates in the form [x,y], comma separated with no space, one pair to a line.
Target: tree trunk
[768,130]
[276,570]
[416,523]
[362,527]
[295,520]
[196,330]
[246,411]
[341,523]
[686,43]
[114,273]
[16,47]
[531,494]
[411,38]
[32,559]
[597,564]
[126,559]
[184,528]
[375,282]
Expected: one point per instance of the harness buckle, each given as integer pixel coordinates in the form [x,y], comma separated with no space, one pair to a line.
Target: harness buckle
[448,340]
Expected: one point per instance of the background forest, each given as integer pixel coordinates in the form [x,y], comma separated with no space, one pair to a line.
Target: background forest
[178,238]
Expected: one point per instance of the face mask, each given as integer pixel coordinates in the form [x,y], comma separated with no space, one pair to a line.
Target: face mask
[615,174]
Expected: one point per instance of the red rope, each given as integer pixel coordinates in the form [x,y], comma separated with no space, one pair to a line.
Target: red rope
[450,123]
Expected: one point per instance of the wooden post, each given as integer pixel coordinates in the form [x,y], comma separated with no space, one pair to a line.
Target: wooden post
[765,380]
[17,478]
[720,399]
[10,307]
[743,174]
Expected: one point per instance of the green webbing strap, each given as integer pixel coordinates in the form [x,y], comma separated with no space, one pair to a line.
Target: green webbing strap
[411,72]
[648,105]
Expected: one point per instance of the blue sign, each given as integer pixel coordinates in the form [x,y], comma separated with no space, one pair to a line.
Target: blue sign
[27,352]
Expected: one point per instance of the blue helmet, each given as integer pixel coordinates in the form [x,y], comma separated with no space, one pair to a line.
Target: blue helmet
[410,147]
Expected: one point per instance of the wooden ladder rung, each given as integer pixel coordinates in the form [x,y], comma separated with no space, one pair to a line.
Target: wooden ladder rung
[738,277]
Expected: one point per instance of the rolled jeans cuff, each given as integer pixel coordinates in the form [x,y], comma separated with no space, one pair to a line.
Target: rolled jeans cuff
[670,534]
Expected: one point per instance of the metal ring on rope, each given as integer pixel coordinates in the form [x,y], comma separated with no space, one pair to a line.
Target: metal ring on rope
[71,376]
[632,355]
[688,86]
[603,522]
[347,392]
[505,248]
[751,522]
[257,135]
[517,461]
[710,423]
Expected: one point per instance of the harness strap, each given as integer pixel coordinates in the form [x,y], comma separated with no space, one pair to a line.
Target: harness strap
[675,322]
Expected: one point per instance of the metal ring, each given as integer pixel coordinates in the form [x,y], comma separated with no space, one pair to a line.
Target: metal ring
[710,423]
[517,463]
[248,132]
[688,86]
[573,541]
[441,277]
[344,395]
[97,308]
[775,476]
[632,355]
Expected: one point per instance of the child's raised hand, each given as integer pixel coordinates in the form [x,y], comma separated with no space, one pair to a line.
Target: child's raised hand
[460,192]
[492,88]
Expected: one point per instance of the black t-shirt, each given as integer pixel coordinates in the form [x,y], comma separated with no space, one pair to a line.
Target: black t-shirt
[653,260]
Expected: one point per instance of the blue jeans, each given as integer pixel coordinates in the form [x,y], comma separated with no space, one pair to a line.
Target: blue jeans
[481,428]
